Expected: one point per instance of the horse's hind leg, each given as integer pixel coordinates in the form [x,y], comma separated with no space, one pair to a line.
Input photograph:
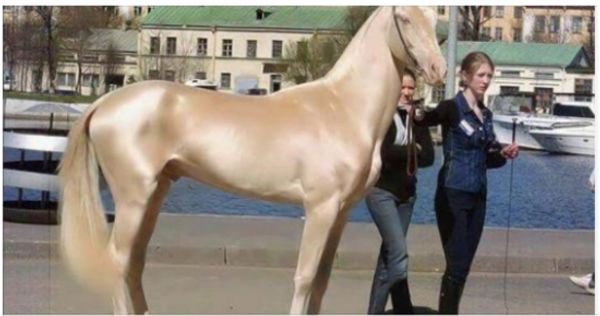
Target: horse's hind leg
[320,220]
[136,217]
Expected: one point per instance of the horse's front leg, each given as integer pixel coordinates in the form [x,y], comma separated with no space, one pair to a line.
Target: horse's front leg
[321,217]
[324,269]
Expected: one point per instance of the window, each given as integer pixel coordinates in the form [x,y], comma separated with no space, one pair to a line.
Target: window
[500,11]
[517,35]
[554,24]
[66,79]
[583,86]
[518,12]
[225,80]
[544,75]
[170,75]
[171,45]
[251,48]
[508,89]
[90,80]
[227,47]
[576,24]
[202,46]
[277,48]
[540,23]
[153,74]
[137,11]
[275,83]
[487,11]
[510,73]
[89,58]
[441,10]
[438,94]
[498,34]
[154,45]
[543,97]
[485,33]
[200,75]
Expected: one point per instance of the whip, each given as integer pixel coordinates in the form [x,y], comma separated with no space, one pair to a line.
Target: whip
[514,128]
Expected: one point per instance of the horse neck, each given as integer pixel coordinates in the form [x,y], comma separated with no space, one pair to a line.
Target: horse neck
[365,78]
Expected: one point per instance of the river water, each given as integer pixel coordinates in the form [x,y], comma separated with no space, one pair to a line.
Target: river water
[548,191]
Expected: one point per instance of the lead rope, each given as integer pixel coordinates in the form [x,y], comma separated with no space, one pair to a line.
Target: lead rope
[514,126]
[411,144]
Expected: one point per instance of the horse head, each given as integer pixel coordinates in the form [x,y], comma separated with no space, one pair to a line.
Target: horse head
[412,40]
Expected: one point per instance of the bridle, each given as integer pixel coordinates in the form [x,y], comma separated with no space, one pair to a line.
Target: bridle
[411,165]
[408,52]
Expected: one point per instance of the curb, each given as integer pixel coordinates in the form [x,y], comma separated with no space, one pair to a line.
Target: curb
[286,258]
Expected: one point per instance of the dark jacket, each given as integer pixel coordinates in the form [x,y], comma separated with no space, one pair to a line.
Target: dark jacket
[470,146]
[394,159]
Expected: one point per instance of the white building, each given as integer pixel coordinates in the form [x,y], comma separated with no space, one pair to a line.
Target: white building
[237,47]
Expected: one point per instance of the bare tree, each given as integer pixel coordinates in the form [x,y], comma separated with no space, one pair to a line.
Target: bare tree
[76,30]
[47,16]
[312,58]
[473,18]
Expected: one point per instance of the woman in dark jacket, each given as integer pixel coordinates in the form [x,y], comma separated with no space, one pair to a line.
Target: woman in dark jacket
[391,202]
[470,148]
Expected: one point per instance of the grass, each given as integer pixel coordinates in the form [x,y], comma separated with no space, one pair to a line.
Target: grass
[49,97]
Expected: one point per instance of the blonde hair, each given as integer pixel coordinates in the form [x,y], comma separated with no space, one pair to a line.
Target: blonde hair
[474,60]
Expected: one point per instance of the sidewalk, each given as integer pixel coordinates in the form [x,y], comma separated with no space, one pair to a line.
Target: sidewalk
[271,242]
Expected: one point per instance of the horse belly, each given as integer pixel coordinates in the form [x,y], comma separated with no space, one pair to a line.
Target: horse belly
[242,171]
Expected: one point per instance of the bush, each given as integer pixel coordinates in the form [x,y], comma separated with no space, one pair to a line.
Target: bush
[49,97]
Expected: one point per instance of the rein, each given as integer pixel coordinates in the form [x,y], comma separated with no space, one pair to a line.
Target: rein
[408,52]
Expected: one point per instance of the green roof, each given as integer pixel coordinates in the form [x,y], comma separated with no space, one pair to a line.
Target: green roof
[523,54]
[294,17]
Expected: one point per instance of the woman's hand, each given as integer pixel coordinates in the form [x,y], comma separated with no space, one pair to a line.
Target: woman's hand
[511,151]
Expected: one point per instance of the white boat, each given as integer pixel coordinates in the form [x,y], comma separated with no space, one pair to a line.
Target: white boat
[526,123]
[570,140]
[521,108]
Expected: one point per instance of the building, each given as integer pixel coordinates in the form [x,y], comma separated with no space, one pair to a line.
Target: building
[238,47]
[558,24]
[546,24]
[108,62]
[541,68]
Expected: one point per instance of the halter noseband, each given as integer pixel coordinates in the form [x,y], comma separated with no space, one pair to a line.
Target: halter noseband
[408,52]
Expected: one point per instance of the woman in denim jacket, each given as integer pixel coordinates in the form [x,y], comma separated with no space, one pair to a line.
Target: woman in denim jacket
[470,148]
[392,199]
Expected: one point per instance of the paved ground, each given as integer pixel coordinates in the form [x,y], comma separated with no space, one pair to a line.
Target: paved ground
[37,287]
[205,264]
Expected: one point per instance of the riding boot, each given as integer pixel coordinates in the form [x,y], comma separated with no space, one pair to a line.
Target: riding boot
[401,298]
[450,294]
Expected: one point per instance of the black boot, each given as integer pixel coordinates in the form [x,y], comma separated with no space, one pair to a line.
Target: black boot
[450,294]
[401,298]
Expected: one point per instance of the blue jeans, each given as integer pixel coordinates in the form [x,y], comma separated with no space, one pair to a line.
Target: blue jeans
[460,217]
[392,220]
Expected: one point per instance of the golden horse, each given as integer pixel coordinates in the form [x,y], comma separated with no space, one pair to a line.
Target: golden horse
[317,144]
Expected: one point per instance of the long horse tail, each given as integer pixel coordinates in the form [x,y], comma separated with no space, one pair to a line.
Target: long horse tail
[84,229]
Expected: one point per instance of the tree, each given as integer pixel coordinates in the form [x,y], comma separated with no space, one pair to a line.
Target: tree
[312,58]
[472,18]
[46,14]
[76,26]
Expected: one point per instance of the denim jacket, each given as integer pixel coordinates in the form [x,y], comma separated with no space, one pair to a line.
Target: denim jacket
[469,145]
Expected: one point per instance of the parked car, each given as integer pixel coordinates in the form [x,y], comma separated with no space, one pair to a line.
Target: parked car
[202,83]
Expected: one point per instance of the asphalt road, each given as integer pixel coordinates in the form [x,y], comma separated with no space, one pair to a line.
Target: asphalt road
[38,286]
